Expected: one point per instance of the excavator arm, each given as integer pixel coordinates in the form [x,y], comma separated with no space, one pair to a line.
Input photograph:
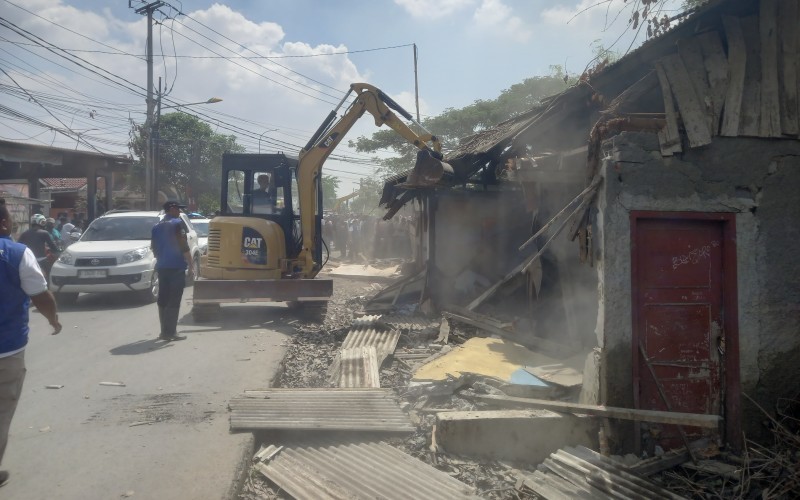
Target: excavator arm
[367,99]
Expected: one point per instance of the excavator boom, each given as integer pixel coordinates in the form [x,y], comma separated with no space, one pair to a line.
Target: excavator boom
[368,99]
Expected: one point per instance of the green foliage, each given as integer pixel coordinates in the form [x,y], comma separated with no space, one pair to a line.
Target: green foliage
[329,186]
[189,156]
[369,192]
[454,125]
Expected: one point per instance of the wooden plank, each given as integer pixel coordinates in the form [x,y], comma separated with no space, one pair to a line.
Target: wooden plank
[770,125]
[659,417]
[788,61]
[737,62]
[692,57]
[694,119]
[749,123]
[658,464]
[669,137]
[717,70]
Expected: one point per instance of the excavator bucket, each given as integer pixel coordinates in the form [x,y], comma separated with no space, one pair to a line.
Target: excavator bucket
[428,169]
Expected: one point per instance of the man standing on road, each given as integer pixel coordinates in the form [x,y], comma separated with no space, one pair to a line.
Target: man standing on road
[171,248]
[21,281]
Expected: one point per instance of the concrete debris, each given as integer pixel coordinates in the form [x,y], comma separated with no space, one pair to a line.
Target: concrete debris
[113,384]
[450,394]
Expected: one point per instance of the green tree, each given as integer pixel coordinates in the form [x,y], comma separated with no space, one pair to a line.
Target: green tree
[455,124]
[330,184]
[189,157]
[369,192]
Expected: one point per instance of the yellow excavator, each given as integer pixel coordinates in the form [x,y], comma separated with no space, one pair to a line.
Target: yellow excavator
[266,245]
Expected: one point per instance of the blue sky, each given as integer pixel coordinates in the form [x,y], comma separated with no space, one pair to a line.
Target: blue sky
[468,50]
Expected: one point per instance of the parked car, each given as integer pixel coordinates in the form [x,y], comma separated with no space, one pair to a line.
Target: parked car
[113,255]
[201,226]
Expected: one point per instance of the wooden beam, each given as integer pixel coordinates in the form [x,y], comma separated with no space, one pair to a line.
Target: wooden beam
[669,137]
[749,123]
[717,69]
[737,61]
[770,125]
[658,417]
[788,20]
[692,57]
[694,119]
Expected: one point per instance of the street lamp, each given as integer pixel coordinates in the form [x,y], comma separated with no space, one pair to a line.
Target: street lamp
[213,100]
[154,140]
[262,135]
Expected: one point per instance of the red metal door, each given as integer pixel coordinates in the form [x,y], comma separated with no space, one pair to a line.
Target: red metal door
[678,319]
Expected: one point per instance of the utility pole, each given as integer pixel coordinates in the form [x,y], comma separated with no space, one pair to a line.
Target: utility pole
[150,196]
[416,82]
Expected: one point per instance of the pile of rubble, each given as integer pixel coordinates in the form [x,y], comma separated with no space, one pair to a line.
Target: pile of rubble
[399,373]
[313,349]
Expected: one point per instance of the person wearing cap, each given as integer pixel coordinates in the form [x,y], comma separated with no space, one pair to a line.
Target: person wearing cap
[21,281]
[171,249]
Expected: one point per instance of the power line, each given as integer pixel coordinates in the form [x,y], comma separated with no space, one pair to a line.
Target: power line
[256,53]
[257,73]
[118,51]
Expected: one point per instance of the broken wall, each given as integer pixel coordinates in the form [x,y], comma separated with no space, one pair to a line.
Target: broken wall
[476,238]
[759,181]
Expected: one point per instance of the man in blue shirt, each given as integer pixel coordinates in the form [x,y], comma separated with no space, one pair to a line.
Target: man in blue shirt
[171,248]
[21,281]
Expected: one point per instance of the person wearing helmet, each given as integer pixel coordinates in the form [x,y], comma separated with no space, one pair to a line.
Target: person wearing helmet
[39,241]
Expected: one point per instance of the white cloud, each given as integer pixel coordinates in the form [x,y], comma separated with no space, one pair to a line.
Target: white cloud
[433,9]
[407,100]
[495,16]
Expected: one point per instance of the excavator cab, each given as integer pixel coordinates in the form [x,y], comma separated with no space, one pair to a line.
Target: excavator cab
[254,241]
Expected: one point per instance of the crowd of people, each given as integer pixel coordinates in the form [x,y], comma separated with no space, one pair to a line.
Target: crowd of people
[359,237]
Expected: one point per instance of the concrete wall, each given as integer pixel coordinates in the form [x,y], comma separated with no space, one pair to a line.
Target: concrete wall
[759,181]
[527,436]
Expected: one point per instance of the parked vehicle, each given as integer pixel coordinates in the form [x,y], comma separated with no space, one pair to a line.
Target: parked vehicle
[113,255]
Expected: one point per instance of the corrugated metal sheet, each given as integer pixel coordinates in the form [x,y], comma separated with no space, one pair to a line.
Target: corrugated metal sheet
[382,339]
[368,320]
[359,368]
[583,473]
[408,322]
[319,409]
[362,470]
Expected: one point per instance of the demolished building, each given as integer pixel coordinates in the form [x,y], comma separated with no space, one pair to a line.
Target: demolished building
[676,170]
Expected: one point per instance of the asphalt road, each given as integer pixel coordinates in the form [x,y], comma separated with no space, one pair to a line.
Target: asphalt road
[164,434]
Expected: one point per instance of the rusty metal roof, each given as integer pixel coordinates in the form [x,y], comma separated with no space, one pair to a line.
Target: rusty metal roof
[352,469]
[319,409]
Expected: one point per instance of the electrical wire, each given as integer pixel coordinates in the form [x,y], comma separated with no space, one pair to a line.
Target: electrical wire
[118,51]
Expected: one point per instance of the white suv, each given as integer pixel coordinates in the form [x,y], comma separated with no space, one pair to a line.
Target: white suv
[113,255]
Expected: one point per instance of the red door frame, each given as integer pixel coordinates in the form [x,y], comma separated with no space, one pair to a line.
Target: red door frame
[730,314]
